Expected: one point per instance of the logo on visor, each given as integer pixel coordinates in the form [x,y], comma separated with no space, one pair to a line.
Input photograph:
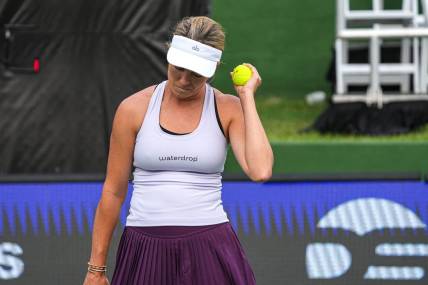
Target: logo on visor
[195,48]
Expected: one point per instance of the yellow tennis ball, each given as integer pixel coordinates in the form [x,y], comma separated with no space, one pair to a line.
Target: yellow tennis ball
[241,74]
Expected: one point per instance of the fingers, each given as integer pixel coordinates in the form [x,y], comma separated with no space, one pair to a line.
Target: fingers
[251,86]
[255,72]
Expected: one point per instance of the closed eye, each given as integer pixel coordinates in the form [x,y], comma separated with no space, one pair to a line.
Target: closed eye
[194,74]
[179,68]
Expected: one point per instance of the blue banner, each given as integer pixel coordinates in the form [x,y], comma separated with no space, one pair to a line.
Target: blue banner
[289,205]
[367,232]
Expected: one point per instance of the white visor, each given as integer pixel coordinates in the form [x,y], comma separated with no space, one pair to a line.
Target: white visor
[193,55]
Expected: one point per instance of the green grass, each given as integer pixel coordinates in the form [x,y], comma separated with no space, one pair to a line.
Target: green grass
[284,118]
[290,44]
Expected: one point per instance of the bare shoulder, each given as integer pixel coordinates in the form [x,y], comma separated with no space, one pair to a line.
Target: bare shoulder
[137,100]
[229,108]
[135,106]
[227,104]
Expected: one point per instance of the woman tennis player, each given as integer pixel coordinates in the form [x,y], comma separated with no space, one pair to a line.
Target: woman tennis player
[175,135]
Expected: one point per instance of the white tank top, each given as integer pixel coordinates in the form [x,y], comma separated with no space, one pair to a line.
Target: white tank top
[177,178]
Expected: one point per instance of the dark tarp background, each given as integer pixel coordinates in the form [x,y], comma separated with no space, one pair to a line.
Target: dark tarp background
[358,118]
[92,55]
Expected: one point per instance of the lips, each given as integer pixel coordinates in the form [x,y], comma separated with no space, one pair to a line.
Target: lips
[184,89]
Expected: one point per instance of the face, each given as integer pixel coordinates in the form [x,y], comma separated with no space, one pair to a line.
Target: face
[185,83]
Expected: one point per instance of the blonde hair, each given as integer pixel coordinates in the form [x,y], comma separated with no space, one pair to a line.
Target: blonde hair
[202,29]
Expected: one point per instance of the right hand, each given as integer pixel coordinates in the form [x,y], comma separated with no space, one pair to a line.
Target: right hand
[95,279]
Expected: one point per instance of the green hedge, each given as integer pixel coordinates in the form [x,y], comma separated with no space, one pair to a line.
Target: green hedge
[290,43]
[345,158]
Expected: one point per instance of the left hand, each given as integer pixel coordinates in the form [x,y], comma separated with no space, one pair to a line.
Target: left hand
[252,84]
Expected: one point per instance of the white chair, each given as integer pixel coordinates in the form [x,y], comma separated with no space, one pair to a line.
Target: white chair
[359,74]
[424,49]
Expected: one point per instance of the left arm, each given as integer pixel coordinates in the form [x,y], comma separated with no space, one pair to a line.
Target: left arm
[246,133]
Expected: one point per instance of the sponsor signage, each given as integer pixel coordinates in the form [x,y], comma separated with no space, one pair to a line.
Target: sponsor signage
[293,233]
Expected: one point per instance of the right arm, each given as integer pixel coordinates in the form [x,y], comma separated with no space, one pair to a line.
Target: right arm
[127,121]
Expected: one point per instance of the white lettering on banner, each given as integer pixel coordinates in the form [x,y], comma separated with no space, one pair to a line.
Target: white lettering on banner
[321,260]
[11,267]
[361,216]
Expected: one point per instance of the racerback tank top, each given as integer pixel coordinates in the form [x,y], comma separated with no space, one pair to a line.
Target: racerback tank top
[177,178]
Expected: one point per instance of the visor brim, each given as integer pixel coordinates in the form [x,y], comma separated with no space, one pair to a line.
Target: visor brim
[192,62]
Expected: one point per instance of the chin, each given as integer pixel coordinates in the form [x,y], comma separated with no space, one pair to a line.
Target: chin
[184,92]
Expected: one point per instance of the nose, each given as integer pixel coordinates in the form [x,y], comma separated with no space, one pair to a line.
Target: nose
[185,77]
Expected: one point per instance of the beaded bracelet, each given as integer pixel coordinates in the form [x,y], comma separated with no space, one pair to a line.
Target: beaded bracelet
[96,268]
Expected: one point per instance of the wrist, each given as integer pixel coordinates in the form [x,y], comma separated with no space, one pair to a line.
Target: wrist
[97,259]
[97,274]
[97,270]
[246,93]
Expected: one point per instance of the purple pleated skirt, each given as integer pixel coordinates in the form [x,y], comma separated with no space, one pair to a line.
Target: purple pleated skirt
[181,255]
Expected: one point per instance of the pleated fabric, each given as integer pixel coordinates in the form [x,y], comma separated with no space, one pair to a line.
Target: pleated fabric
[181,255]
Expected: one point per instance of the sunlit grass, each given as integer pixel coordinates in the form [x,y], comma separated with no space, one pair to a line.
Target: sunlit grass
[286,119]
